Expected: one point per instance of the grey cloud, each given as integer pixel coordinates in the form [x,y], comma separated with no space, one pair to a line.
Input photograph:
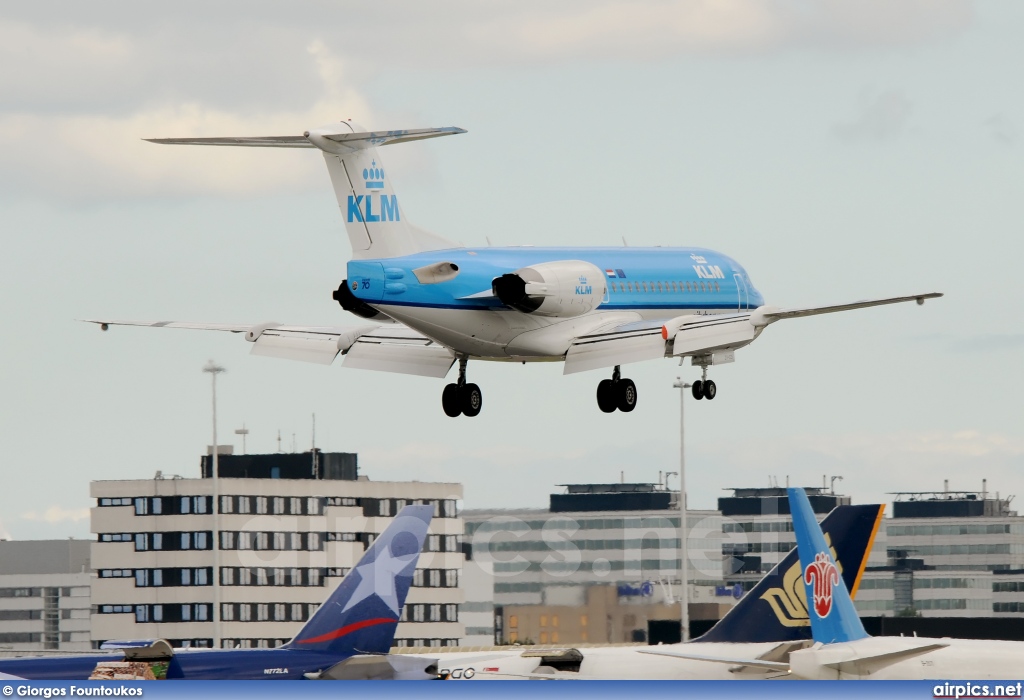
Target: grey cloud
[882,117]
[112,55]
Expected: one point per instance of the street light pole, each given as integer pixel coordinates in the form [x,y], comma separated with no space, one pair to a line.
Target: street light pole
[684,563]
[214,369]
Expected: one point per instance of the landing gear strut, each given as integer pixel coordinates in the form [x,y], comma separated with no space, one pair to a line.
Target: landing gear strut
[616,393]
[704,388]
[462,398]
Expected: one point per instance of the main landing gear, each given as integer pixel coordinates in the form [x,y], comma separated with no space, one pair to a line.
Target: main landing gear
[462,398]
[704,388]
[616,393]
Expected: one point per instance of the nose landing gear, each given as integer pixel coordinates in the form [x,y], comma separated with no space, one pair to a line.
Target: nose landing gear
[616,393]
[462,398]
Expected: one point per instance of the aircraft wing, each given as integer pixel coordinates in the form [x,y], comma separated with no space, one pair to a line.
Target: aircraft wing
[392,348]
[714,337]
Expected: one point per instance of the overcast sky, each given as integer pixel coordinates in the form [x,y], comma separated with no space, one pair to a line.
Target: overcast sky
[839,150]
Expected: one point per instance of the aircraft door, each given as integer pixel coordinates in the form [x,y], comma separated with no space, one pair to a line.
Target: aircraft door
[742,296]
[366,280]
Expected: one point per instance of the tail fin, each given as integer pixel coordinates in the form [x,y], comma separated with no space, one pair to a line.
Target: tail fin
[361,615]
[775,610]
[373,218]
[833,617]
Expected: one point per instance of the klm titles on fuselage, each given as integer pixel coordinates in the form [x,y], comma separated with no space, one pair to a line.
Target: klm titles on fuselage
[711,272]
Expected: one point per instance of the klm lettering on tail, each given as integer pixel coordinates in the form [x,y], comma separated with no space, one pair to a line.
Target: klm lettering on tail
[364,208]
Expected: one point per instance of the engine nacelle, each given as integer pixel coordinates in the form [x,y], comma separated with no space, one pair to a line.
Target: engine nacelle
[565,288]
[344,296]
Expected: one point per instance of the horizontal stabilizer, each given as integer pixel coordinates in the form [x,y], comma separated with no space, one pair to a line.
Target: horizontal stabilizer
[140,648]
[250,141]
[330,142]
[870,663]
[753,663]
[381,667]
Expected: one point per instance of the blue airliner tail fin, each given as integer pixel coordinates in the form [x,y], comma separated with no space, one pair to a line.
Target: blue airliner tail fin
[775,610]
[361,615]
[833,616]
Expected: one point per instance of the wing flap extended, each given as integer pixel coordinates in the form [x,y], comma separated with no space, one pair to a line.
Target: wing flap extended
[318,348]
[420,360]
[705,334]
[587,354]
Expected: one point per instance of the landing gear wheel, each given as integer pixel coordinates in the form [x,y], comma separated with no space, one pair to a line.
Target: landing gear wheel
[698,390]
[709,390]
[626,395]
[450,401]
[606,399]
[471,399]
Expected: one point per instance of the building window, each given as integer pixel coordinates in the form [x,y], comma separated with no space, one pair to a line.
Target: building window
[543,620]
[141,542]
[513,620]
[451,612]
[227,504]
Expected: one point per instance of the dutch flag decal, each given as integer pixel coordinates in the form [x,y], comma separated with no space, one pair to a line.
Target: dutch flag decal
[610,273]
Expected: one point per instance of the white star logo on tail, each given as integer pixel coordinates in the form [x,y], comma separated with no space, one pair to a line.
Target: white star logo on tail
[378,576]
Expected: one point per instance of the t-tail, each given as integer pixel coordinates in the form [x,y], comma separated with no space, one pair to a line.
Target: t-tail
[833,616]
[776,610]
[373,215]
[361,615]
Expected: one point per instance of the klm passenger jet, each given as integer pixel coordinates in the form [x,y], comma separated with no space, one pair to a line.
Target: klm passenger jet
[435,303]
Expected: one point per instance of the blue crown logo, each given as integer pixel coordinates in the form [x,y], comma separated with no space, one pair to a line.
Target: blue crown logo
[583,279]
[373,177]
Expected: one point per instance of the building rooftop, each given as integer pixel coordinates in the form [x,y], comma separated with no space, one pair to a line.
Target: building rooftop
[35,557]
[337,466]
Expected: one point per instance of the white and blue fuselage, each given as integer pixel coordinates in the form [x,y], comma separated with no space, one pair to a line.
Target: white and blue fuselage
[630,284]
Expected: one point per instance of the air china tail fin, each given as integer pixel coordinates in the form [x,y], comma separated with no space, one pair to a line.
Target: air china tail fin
[362,613]
[833,616]
[373,217]
[775,610]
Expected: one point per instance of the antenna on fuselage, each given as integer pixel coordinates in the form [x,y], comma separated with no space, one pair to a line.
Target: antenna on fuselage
[624,244]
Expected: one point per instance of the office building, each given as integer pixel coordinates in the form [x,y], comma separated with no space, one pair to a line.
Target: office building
[44,595]
[290,527]
[595,548]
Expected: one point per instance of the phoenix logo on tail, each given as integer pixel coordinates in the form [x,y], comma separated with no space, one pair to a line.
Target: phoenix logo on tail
[822,575]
